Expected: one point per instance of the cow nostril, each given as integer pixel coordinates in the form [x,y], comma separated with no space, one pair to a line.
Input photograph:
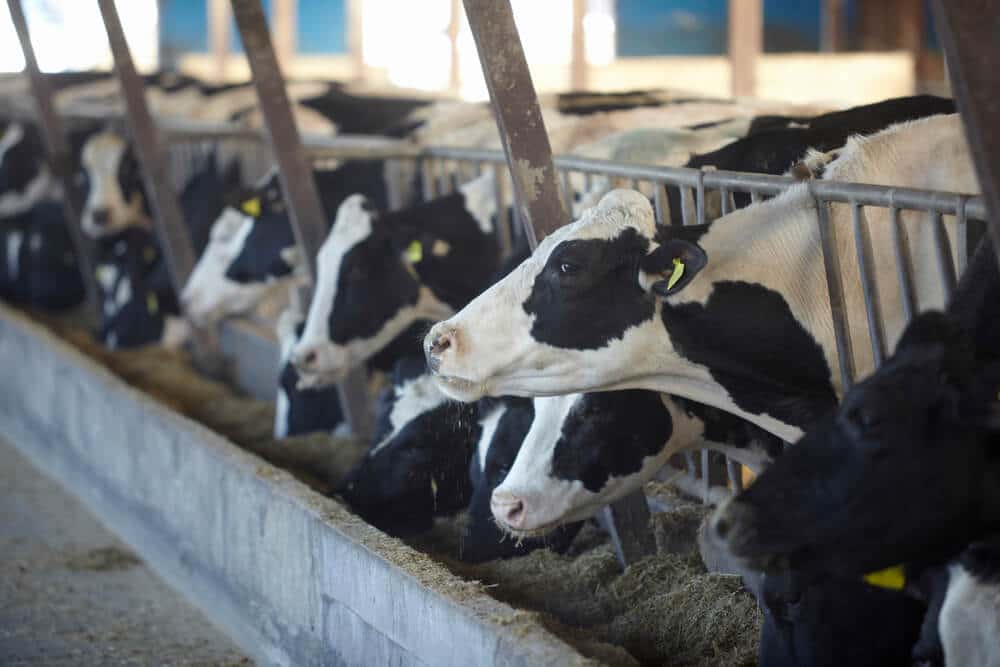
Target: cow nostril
[309,359]
[722,527]
[440,344]
[515,512]
[100,216]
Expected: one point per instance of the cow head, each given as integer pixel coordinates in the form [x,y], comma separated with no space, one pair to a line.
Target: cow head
[116,196]
[251,246]
[905,470]
[574,316]
[24,176]
[503,426]
[418,468]
[585,451]
[381,274]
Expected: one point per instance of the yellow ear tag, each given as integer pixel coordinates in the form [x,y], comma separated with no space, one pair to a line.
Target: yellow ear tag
[893,578]
[152,303]
[414,252]
[677,273]
[251,207]
[148,254]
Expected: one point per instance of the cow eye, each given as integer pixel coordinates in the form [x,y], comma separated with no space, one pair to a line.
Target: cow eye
[569,268]
[865,417]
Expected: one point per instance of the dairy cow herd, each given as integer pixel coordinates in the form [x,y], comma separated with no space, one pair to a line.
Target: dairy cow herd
[532,389]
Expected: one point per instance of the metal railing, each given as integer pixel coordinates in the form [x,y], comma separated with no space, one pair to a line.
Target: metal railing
[443,168]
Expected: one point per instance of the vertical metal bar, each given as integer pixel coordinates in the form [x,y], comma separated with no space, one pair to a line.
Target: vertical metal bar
[962,235]
[689,465]
[454,26]
[700,204]
[968,31]
[355,39]
[169,221]
[296,176]
[727,202]
[503,219]
[832,26]
[660,203]
[942,251]
[686,211]
[835,288]
[536,187]
[735,475]
[519,117]
[634,184]
[900,246]
[862,248]
[755,197]
[706,477]
[58,153]
[567,190]
[427,177]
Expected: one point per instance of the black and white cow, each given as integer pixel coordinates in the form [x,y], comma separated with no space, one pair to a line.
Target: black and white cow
[585,451]
[734,314]
[381,274]
[252,247]
[770,148]
[116,197]
[418,466]
[138,303]
[25,178]
[38,263]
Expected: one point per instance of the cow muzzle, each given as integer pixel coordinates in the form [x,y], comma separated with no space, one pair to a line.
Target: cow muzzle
[319,365]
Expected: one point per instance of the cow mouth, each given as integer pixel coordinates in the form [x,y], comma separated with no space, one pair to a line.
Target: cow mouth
[460,388]
[528,533]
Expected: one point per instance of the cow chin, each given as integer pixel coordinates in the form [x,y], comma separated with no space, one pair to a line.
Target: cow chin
[459,389]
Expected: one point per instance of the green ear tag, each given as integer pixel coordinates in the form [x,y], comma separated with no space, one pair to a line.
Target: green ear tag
[893,578]
[414,252]
[677,273]
[252,207]
[152,303]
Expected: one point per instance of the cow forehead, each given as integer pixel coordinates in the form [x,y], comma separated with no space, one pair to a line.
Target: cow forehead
[104,151]
[352,226]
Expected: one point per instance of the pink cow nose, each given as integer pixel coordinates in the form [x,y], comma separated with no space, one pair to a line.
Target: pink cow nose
[437,342]
[508,508]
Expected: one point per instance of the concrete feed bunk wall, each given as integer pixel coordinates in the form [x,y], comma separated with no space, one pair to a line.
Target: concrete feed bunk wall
[291,575]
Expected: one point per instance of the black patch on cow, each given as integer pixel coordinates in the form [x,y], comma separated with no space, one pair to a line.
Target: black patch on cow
[836,622]
[756,350]
[134,254]
[309,410]
[375,283]
[587,294]
[204,197]
[46,273]
[260,257]
[483,540]
[130,181]
[23,162]
[364,114]
[982,561]
[726,428]
[610,434]
[422,472]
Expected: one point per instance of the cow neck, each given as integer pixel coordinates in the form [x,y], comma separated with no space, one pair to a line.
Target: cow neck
[457,260]
[753,324]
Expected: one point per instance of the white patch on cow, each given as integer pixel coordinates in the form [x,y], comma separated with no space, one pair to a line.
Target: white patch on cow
[35,242]
[14,241]
[281,410]
[488,427]
[441,248]
[123,294]
[413,398]
[969,623]
[102,156]
[209,296]
[480,201]
[176,332]
[107,274]
[112,340]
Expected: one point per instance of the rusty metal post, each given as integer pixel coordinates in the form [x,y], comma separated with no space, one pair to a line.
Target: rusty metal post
[536,188]
[519,117]
[295,174]
[155,174]
[57,152]
[968,30]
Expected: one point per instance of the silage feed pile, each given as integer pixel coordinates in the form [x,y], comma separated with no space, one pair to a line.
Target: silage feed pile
[663,610]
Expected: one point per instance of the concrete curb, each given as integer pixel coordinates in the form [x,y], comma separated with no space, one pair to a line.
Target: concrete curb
[291,575]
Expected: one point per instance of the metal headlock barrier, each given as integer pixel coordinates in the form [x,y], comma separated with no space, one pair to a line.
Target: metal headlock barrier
[165,165]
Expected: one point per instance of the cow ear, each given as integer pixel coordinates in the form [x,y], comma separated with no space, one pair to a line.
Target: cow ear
[671,266]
